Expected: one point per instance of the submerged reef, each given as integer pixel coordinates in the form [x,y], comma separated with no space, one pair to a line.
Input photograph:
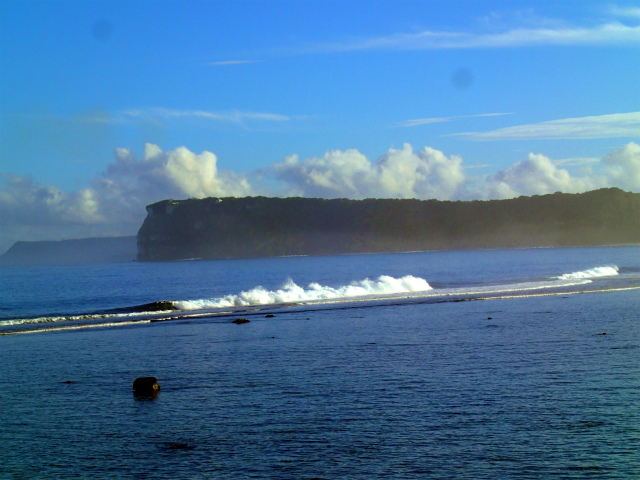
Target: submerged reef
[217,228]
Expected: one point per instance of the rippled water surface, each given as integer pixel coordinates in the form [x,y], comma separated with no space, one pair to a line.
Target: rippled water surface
[523,388]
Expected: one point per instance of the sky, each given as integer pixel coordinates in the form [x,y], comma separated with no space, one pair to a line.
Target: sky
[108,106]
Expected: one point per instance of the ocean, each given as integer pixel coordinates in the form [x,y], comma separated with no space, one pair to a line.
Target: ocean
[496,364]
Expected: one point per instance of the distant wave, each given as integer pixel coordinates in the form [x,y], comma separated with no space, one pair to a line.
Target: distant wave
[292,293]
[605,271]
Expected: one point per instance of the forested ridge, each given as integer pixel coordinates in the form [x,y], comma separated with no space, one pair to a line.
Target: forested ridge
[262,227]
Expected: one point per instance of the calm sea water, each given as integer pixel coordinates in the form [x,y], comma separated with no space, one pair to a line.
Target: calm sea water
[348,379]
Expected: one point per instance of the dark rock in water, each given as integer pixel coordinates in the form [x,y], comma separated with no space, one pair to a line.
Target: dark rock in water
[240,321]
[161,306]
[180,446]
[154,307]
[269,316]
[146,387]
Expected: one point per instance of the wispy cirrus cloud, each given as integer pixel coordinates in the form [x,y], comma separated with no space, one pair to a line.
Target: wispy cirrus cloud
[232,116]
[611,33]
[127,116]
[427,121]
[91,117]
[629,12]
[226,63]
[617,125]
[576,161]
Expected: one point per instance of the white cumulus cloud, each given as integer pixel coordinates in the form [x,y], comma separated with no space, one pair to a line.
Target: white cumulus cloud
[115,202]
[623,166]
[399,173]
[537,175]
[179,173]
[22,201]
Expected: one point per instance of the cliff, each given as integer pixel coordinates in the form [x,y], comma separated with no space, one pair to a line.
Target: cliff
[67,252]
[263,227]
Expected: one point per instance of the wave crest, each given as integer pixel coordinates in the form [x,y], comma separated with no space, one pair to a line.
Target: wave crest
[605,271]
[292,293]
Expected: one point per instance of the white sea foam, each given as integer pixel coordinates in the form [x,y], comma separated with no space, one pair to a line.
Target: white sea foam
[75,318]
[77,327]
[292,293]
[605,271]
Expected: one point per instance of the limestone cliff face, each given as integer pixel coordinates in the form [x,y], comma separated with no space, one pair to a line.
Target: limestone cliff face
[248,227]
[263,227]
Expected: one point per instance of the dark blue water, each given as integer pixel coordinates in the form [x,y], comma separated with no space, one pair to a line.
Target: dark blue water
[523,388]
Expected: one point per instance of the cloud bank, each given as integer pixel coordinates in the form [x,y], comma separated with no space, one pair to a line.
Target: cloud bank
[114,203]
[537,175]
[402,173]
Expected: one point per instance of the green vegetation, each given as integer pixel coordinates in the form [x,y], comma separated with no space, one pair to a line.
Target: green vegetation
[263,227]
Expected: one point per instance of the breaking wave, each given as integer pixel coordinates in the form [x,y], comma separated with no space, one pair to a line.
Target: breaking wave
[379,289]
[605,271]
[292,293]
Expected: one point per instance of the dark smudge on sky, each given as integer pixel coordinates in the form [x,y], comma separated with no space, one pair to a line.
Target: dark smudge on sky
[462,78]
[102,30]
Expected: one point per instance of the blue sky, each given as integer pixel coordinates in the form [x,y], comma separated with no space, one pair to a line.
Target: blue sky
[108,106]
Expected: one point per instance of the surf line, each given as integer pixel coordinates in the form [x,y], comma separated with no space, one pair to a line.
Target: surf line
[551,294]
[116,324]
[75,327]
[361,299]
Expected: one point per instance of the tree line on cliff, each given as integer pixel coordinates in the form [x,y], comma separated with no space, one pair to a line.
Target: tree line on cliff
[262,227]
